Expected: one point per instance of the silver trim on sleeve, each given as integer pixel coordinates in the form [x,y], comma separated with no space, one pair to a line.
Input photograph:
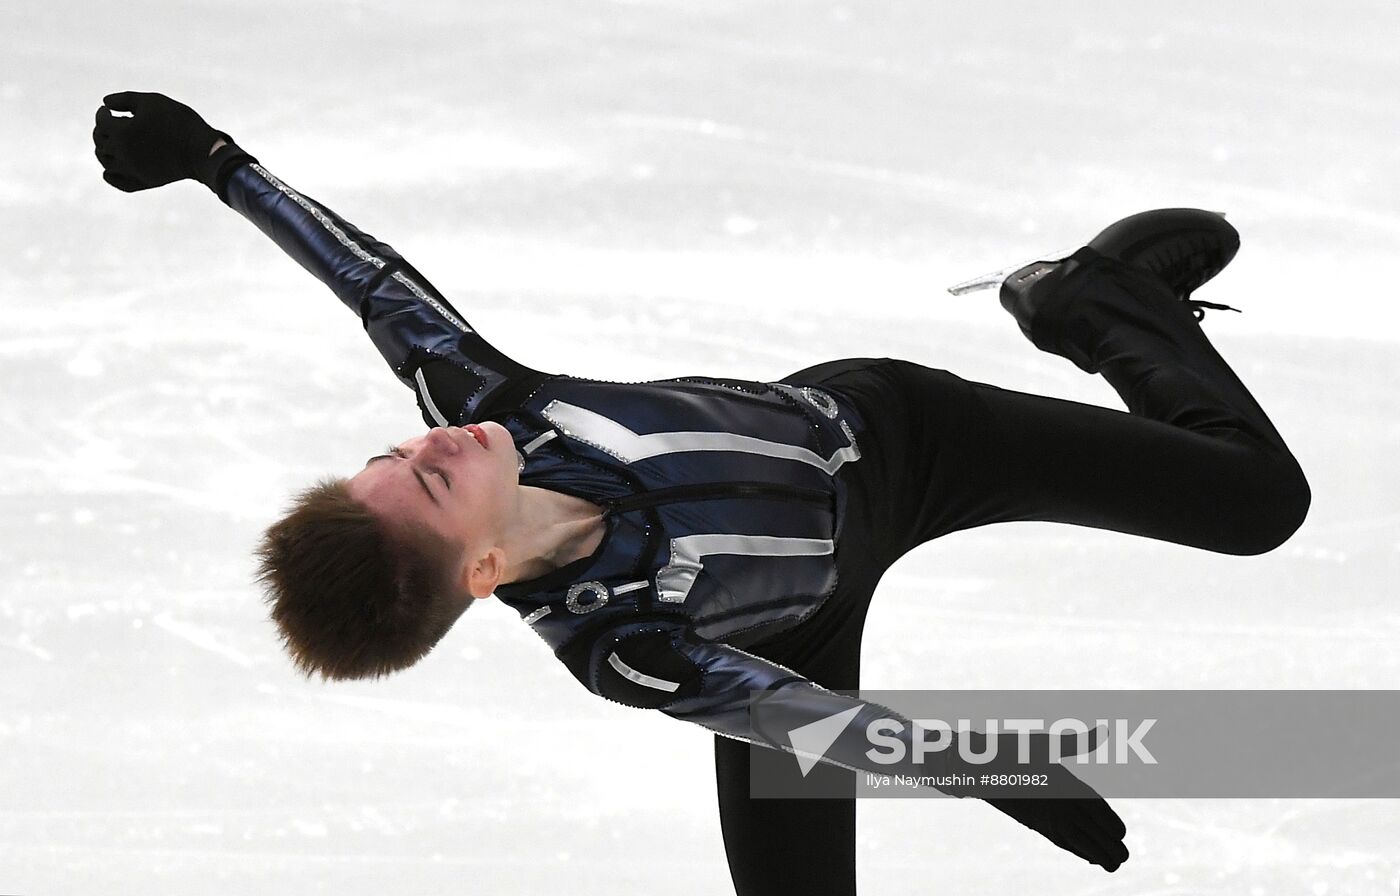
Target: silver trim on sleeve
[357,250]
[642,678]
[428,402]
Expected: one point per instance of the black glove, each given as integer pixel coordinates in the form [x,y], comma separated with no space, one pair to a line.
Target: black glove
[1086,826]
[1064,810]
[163,141]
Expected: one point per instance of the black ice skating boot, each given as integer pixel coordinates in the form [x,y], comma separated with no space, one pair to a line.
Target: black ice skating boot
[1174,249]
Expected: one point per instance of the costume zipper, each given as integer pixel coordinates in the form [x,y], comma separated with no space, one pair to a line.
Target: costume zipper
[709,492]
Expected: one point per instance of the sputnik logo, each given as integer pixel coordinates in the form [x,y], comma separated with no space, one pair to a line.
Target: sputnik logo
[811,741]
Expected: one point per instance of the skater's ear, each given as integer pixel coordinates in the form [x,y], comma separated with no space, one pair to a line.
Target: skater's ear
[480,576]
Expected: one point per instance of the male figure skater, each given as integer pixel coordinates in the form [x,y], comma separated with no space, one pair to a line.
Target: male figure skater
[684,542]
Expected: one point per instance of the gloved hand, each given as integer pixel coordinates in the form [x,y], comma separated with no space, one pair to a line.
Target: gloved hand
[162,141]
[1086,825]
[1058,806]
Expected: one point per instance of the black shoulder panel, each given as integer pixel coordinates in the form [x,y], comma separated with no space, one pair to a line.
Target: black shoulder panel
[450,388]
[646,670]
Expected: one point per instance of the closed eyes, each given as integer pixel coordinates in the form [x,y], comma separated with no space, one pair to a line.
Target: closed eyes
[396,451]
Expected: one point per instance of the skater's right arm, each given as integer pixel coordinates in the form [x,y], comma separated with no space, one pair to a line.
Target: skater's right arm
[431,348]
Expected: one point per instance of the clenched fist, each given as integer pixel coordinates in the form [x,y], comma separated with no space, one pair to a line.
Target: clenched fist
[159,142]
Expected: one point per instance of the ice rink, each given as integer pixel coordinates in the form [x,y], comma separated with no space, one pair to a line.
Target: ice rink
[635,191]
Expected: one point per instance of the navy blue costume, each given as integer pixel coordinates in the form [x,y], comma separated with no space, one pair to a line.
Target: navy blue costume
[748,523]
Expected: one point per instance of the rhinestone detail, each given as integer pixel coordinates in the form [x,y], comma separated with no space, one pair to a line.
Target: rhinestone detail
[355,249]
[821,401]
[597,589]
[846,428]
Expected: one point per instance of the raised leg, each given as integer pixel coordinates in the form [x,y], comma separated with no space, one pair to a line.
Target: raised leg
[1196,461]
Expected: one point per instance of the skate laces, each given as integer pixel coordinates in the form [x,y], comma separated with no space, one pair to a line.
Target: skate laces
[1198,308]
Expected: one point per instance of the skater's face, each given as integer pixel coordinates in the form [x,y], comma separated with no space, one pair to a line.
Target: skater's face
[456,481]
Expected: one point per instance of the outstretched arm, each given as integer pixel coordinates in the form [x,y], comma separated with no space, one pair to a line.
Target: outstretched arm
[456,374]
[426,342]
[664,665]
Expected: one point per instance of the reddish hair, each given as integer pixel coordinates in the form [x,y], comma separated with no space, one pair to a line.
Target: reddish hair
[350,598]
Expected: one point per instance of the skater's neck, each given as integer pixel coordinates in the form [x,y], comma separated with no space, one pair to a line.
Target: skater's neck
[550,529]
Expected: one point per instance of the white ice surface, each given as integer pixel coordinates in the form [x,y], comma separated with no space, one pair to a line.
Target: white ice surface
[637,190]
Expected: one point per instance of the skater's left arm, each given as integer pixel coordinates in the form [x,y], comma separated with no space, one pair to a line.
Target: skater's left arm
[457,375]
[666,666]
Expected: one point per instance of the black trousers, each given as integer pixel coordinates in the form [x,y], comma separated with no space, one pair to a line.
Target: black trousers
[1195,461]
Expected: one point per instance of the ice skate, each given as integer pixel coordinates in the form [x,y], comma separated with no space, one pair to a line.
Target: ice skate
[1171,251]
[1182,247]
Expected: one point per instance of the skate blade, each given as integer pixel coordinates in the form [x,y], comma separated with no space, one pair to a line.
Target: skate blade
[995,278]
